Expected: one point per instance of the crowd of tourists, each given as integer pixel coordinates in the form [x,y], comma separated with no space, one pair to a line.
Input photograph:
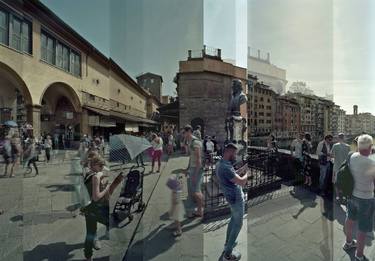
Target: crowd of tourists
[358,162]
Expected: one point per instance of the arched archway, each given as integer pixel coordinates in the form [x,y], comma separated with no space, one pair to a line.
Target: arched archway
[15,96]
[61,114]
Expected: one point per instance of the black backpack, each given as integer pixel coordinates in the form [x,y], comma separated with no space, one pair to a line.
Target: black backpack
[345,180]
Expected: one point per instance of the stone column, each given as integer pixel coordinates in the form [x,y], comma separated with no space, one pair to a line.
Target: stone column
[33,115]
[85,129]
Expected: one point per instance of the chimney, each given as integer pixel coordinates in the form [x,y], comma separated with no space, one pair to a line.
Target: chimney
[268,57]
[258,54]
[355,109]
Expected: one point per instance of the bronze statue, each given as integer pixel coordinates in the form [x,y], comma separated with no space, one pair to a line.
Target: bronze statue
[238,98]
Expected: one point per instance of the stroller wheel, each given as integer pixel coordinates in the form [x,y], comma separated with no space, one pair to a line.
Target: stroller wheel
[141,207]
[115,217]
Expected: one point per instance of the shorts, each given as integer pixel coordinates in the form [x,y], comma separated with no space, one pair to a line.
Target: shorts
[195,179]
[361,210]
[209,154]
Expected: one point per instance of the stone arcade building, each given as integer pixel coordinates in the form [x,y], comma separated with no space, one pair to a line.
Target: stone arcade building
[54,79]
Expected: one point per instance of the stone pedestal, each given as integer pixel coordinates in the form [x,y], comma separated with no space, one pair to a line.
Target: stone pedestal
[236,129]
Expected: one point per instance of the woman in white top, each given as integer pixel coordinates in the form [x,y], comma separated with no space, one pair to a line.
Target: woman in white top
[157,145]
[170,143]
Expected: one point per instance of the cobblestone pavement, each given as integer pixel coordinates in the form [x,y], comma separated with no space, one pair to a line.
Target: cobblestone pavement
[295,224]
[40,221]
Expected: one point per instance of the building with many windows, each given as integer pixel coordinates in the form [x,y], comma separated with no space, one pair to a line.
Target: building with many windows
[287,118]
[261,106]
[54,79]
[358,123]
[308,115]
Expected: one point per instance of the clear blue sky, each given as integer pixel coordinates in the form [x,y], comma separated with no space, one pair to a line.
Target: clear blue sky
[140,35]
[90,18]
[327,43]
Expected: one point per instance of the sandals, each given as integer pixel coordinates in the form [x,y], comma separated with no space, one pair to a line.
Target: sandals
[177,233]
[195,214]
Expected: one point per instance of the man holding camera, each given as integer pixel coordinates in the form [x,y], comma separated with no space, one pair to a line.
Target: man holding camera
[231,182]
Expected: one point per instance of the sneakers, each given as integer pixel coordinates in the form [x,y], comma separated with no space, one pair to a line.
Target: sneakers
[97,244]
[234,256]
[362,258]
[348,246]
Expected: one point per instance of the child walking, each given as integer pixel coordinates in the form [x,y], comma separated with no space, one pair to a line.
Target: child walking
[176,212]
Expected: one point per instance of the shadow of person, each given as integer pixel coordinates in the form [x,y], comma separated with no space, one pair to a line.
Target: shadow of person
[55,251]
[158,241]
[155,243]
[306,198]
[178,171]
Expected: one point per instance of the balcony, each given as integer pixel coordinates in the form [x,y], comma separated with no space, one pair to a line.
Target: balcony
[209,52]
[95,101]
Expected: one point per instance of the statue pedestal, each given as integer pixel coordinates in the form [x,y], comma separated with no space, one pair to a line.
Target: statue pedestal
[236,127]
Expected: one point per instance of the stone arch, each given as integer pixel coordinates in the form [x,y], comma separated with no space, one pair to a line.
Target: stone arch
[57,90]
[10,76]
[15,98]
[61,113]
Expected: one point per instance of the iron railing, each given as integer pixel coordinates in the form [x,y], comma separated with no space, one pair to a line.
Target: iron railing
[262,177]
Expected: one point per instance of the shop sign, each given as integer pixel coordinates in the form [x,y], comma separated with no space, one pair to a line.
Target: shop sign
[94,121]
[105,122]
[131,127]
[69,115]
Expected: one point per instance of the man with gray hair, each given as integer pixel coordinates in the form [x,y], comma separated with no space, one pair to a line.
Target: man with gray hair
[339,152]
[361,204]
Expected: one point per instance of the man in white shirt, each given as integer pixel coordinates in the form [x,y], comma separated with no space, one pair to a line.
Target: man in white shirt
[324,151]
[210,147]
[296,151]
[361,204]
[339,152]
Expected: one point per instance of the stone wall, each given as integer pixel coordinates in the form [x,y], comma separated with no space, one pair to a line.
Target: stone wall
[205,95]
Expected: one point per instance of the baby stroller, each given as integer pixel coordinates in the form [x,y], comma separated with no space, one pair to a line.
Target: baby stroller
[131,193]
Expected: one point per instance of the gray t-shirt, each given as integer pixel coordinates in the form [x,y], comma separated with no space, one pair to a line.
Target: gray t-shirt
[340,152]
[363,171]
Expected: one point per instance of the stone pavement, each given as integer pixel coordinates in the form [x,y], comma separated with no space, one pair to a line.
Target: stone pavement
[199,241]
[40,221]
[295,224]
[289,224]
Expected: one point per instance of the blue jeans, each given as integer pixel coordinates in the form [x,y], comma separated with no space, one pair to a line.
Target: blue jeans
[323,175]
[235,224]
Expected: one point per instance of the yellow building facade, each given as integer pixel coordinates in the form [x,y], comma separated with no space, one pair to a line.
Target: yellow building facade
[53,79]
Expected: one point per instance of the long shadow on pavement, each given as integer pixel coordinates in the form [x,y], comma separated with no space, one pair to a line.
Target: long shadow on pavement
[157,241]
[56,251]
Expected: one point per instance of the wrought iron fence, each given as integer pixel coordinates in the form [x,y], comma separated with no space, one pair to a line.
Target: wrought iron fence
[262,177]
